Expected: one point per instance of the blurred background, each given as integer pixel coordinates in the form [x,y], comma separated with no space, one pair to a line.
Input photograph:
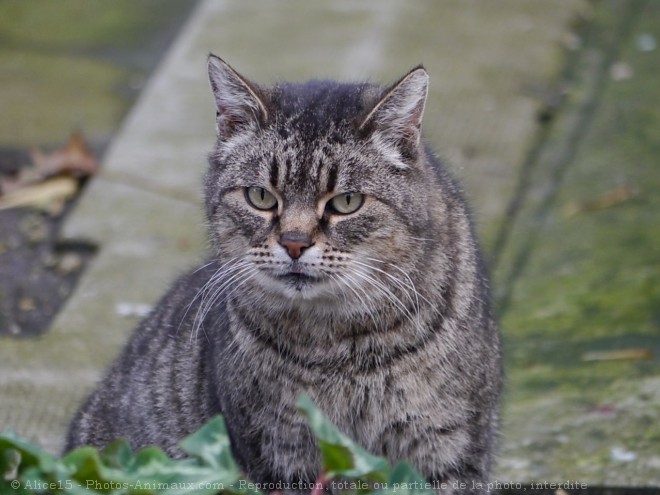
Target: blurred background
[549,113]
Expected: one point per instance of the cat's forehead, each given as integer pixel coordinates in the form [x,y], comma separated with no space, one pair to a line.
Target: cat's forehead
[304,167]
[314,106]
[312,145]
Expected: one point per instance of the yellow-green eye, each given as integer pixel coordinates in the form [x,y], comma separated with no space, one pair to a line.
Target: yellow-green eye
[346,203]
[260,198]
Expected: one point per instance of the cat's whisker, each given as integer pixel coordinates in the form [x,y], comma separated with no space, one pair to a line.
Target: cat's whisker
[405,288]
[238,280]
[205,265]
[374,311]
[217,284]
[201,292]
[389,295]
[367,304]
[220,285]
[211,280]
[405,274]
[246,275]
[218,278]
[214,280]
[198,325]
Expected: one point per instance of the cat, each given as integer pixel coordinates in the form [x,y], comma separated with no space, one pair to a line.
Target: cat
[343,265]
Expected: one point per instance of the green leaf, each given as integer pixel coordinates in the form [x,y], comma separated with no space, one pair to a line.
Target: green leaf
[342,458]
[406,480]
[151,458]
[9,461]
[211,444]
[85,464]
[118,455]
[30,455]
[210,469]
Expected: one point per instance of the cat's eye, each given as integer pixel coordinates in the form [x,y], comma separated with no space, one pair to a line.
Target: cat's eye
[260,198]
[346,203]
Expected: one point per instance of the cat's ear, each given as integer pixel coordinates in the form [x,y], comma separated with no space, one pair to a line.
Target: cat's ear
[396,118]
[239,105]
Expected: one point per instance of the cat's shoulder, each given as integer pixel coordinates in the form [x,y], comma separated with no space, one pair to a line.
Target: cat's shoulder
[180,305]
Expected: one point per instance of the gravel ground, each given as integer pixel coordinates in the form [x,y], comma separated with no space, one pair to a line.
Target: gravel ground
[37,271]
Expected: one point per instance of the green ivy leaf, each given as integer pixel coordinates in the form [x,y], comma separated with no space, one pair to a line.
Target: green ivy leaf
[118,455]
[406,480]
[342,458]
[85,463]
[8,488]
[30,455]
[211,444]
[210,469]
[150,471]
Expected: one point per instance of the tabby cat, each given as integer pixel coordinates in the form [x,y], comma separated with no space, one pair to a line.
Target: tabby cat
[343,265]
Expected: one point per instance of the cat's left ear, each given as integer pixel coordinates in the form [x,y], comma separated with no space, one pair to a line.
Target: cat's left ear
[239,103]
[396,118]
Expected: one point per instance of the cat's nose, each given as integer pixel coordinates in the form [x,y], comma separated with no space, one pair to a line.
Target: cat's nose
[295,243]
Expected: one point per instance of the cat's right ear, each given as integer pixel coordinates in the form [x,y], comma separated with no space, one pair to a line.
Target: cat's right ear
[239,106]
[396,119]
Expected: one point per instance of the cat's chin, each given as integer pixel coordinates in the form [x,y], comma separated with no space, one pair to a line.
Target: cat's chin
[296,287]
[300,289]
[298,281]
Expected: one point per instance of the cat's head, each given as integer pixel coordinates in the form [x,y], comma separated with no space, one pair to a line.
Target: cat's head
[319,192]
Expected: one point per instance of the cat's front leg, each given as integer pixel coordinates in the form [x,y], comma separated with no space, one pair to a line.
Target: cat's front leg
[291,454]
[444,455]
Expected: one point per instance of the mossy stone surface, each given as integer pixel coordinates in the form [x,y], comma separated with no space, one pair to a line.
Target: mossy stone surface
[76,64]
[581,272]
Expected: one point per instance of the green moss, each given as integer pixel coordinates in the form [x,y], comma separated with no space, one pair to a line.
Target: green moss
[592,283]
[75,64]
[45,97]
[81,24]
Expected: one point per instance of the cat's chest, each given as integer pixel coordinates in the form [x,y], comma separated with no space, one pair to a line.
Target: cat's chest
[362,392]
[362,405]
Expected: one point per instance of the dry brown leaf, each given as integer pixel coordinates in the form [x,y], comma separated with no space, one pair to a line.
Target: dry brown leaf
[633,354]
[25,176]
[612,198]
[74,159]
[48,196]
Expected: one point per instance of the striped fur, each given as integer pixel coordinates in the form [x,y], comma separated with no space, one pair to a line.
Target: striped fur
[388,328]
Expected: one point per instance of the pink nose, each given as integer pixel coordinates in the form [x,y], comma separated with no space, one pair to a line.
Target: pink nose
[295,243]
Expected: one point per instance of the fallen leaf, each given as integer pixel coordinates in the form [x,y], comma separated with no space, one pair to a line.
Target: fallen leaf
[69,263]
[74,159]
[612,198]
[25,176]
[48,196]
[27,304]
[633,354]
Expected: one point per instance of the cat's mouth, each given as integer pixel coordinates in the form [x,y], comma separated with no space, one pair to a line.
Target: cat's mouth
[297,279]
